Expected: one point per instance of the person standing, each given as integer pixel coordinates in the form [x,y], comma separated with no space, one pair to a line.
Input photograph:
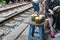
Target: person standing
[35,4]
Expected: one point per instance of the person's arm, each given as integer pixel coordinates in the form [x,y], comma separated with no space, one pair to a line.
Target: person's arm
[43,7]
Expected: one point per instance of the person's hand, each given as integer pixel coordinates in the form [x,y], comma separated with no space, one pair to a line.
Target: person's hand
[55,8]
[51,12]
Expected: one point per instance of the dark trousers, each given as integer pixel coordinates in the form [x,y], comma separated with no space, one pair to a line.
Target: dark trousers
[56,20]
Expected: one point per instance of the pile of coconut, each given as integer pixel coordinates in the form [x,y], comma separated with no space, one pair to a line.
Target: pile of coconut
[38,19]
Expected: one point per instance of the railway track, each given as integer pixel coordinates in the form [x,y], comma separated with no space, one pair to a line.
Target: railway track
[12,12]
[13,24]
[11,6]
[11,18]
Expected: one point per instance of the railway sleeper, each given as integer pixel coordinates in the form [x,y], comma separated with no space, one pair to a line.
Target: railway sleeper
[15,33]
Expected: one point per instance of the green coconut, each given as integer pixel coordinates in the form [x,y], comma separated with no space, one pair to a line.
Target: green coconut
[38,20]
[43,17]
[33,17]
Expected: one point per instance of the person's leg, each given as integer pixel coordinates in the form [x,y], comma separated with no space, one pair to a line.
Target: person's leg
[46,24]
[51,28]
[50,23]
[50,20]
[36,7]
[54,21]
[33,7]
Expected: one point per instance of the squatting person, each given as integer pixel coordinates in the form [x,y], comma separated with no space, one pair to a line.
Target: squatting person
[50,5]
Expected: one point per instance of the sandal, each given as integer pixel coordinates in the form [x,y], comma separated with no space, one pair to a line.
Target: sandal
[52,34]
